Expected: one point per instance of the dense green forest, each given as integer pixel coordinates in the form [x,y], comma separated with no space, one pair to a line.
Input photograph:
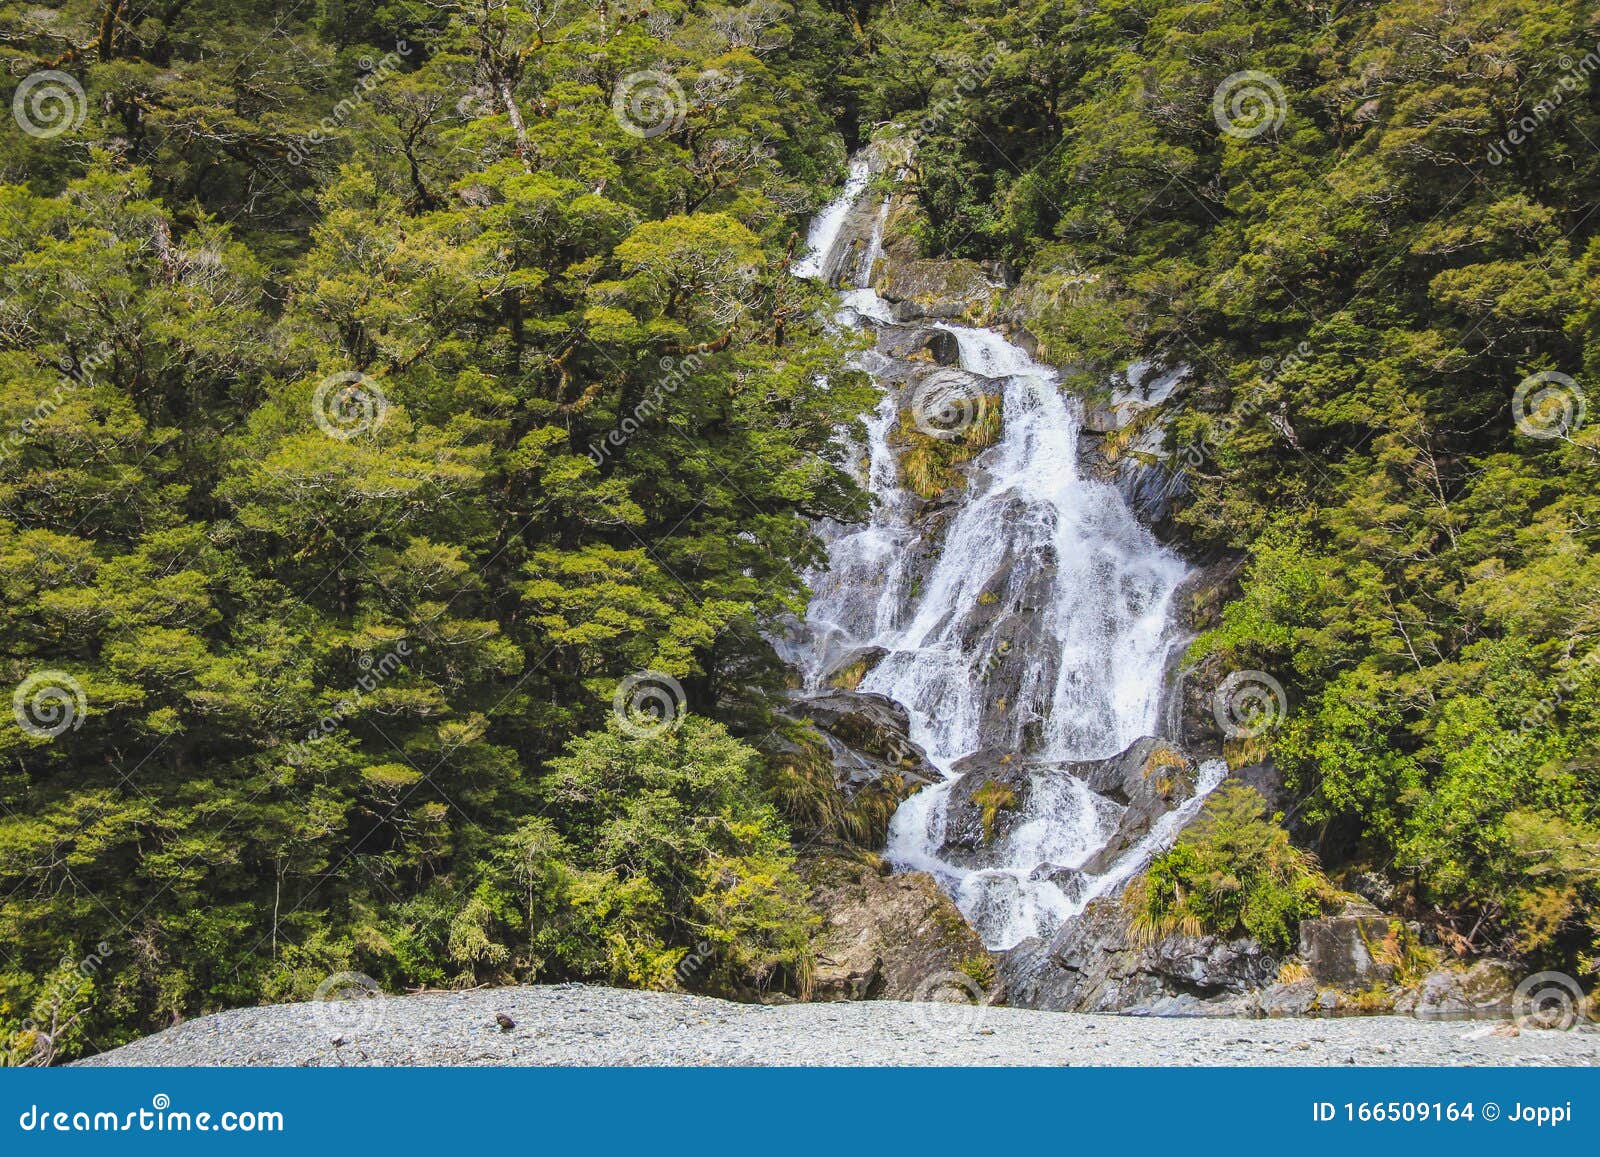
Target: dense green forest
[385,382]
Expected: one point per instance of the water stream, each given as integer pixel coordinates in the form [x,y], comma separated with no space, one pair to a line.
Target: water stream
[1030,617]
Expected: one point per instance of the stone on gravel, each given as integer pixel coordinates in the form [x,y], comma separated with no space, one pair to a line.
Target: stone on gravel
[575,1025]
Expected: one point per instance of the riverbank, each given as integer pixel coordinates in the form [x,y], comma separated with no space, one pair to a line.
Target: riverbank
[581,1025]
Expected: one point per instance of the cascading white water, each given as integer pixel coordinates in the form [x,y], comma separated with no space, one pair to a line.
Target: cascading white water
[1039,626]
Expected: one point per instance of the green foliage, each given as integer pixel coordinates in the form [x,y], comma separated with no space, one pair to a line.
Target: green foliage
[1232,873]
[993,797]
[1358,291]
[330,656]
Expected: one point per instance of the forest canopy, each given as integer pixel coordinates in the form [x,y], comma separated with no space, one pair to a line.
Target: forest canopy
[384,383]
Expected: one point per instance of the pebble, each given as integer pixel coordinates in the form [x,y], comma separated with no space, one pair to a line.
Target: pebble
[626,1027]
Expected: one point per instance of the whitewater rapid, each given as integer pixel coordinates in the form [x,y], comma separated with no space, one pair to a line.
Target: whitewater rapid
[1031,620]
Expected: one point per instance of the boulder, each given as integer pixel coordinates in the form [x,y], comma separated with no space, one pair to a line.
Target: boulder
[920,344]
[934,288]
[1339,950]
[1210,964]
[853,665]
[1148,779]
[887,935]
[985,804]
[1296,998]
[1454,993]
[1187,1004]
[1092,965]
[872,725]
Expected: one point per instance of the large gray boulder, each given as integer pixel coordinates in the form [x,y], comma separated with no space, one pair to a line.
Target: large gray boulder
[1341,951]
[1454,993]
[918,287]
[1094,965]
[889,936]
[920,344]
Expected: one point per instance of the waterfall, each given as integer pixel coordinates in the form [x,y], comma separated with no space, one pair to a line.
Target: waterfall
[1030,619]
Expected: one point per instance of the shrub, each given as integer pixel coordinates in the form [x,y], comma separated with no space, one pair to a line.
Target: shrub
[1232,873]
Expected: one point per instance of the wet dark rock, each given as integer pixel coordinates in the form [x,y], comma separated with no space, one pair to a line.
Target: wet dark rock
[1072,882]
[1188,710]
[874,724]
[934,288]
[870,734]
[986,803]
[920,343]
[853,665]
[1093,965]
[1149,779]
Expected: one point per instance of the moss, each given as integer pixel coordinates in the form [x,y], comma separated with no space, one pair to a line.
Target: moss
[849,677]
[980,969]
[930,464]
[992,797]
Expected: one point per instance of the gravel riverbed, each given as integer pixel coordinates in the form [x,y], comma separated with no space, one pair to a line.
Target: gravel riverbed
[583,1025]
